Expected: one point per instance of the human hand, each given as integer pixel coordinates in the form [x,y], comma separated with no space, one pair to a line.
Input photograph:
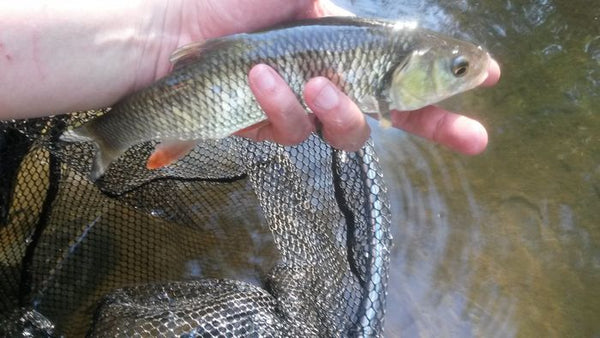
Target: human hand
[343,124]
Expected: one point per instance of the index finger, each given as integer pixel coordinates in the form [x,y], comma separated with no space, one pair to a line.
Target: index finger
[452,130]
[327,8]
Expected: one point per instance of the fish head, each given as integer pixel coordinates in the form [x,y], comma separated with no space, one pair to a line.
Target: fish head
[438,68]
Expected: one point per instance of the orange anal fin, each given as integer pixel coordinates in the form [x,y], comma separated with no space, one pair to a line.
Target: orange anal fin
[168,152]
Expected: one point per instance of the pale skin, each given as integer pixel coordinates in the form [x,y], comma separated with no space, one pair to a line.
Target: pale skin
[63,56]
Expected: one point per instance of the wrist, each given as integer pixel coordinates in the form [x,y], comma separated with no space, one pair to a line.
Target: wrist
[57,57]
[158,34]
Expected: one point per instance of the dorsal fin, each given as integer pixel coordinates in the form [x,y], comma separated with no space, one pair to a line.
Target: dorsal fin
[329,21]
[192,52]
[186,51]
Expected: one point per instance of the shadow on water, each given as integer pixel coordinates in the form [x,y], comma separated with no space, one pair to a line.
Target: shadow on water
[506,243]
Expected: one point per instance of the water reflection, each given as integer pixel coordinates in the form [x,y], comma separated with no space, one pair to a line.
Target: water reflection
[506,243]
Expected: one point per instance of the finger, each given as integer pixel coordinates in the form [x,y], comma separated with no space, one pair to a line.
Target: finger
[344,125]
[454,131]
[493,74]
[327,8]
[288,122]
[224,17]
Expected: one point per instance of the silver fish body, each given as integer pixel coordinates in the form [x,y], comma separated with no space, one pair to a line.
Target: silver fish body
[381,65]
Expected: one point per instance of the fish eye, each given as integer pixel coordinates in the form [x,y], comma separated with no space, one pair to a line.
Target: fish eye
[460,66]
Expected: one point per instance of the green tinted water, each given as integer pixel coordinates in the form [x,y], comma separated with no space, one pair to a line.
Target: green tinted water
[506,243]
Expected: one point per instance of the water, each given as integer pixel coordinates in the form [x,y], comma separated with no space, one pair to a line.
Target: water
[506,243]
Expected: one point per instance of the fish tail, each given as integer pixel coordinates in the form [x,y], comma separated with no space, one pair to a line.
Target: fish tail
[105,150]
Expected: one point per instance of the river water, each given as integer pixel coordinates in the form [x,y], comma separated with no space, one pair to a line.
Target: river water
[506,243]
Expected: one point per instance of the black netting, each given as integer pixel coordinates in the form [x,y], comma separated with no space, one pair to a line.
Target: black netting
[236,239]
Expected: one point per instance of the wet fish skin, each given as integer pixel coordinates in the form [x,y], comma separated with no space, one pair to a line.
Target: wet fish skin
[381,65]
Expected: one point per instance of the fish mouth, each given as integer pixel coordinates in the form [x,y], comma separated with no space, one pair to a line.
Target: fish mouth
[484,75]
[485,72]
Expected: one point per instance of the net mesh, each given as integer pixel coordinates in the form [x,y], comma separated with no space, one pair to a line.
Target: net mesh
[236,239]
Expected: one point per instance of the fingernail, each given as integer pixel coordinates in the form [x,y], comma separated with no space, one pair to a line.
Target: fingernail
[327,98]
[265,80]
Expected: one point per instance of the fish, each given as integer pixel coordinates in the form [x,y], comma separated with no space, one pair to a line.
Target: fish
[381,65]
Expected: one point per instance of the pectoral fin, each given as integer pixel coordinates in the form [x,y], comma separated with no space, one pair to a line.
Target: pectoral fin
[385,122]
[168,152]
[384,111]
[376,108]
[369,105]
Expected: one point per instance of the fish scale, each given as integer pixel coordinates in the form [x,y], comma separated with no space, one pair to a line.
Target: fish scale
[367,59]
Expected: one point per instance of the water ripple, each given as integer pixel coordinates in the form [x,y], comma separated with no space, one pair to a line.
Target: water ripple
[434,261]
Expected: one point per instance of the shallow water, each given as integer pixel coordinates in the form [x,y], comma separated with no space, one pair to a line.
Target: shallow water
[506,243]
